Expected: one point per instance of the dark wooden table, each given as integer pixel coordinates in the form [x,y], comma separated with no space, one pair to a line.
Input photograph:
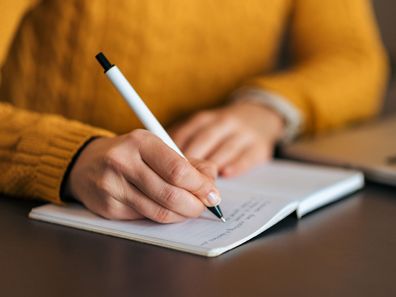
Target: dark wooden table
[345,249]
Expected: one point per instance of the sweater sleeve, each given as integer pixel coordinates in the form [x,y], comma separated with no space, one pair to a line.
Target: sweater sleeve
[35,151]
[12,13]
[339,68]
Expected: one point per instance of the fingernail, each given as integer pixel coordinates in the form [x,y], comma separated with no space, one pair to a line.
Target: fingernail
[214,198]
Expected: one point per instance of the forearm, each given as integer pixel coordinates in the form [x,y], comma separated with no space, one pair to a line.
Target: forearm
[339,69]
[35,151]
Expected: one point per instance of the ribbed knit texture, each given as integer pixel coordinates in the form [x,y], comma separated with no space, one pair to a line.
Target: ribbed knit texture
[181,56]
[35,151]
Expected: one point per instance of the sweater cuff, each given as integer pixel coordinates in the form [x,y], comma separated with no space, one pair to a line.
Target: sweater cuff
[53,164]
[290,114]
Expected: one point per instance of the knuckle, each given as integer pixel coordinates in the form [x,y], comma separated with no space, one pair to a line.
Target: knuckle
[115,161]
[104,184]
[109,211]
[112,159]
[169,196]
[137,135]
[178,171]
[163,216]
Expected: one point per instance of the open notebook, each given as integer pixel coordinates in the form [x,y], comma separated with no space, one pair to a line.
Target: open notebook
[251,204]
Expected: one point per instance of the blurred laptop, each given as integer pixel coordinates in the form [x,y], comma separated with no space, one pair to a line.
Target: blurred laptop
[370,148]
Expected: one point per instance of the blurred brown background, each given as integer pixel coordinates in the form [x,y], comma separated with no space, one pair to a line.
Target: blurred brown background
[386,17]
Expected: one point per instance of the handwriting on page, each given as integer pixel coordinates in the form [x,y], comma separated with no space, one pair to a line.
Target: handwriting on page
[238,217]
[246,214]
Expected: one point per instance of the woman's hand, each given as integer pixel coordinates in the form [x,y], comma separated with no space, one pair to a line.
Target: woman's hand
[236,137]
[137,175]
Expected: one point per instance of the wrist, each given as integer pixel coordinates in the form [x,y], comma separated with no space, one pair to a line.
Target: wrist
[66,194]
[292,118]
[266,118]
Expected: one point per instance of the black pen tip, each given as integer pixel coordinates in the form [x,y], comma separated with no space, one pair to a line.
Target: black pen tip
[217,212]
[103,61]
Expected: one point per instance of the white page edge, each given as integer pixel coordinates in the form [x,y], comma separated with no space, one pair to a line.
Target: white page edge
[329,195]
[214,252]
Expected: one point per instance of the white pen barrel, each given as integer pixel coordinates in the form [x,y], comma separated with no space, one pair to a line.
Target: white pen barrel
[139,107]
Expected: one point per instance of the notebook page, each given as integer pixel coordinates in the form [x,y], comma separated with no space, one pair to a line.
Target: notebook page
[287,179]
[247,214]
[251,203]
[351,182]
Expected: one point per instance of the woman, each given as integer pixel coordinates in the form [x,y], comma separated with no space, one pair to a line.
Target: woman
[64,132]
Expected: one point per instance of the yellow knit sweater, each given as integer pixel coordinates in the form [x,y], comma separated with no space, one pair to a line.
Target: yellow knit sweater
[181,56]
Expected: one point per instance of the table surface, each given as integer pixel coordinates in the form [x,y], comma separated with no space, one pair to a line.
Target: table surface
[345,249]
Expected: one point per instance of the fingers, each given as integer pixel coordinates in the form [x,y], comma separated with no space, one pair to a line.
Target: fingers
[148,208]
[164,194]
[135,206]
[247,159]
[182,134]
[230,149]
[179,172]
[113,209]
[123,201]
[207,139]
[229,143]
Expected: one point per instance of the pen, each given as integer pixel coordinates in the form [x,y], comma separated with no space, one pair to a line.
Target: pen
[142,111]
